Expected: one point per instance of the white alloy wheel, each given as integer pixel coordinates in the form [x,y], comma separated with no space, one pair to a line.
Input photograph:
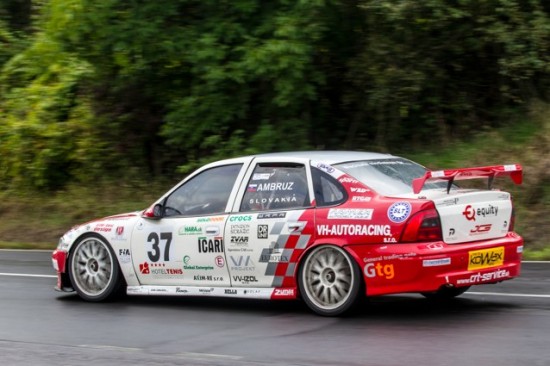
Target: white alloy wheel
[94,270]
[329,280]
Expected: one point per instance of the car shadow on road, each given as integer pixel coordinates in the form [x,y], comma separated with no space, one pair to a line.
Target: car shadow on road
[398,307]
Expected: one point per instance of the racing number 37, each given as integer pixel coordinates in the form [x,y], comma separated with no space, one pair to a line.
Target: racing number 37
[154,240]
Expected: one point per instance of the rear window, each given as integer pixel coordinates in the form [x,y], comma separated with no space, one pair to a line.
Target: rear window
[388,176]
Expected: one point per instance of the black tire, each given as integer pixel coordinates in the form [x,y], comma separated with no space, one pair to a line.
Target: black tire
[329,281]
[446,293]
[94,270]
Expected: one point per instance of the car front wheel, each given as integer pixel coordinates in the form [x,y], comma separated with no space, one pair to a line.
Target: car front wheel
[94,270]
[329,281]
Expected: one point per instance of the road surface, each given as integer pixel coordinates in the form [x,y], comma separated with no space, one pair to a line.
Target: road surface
[505,324]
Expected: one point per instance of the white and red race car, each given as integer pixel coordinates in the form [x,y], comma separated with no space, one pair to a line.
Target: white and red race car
[329,227]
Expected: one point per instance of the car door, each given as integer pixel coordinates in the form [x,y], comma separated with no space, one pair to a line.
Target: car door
[272,224]
[186,245]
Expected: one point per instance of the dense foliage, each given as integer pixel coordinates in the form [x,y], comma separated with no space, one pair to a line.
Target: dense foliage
[100,87]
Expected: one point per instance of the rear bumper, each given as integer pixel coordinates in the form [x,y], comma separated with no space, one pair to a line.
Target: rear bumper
[426,267]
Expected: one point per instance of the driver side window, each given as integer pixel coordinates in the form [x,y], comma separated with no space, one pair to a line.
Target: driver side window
[205,194]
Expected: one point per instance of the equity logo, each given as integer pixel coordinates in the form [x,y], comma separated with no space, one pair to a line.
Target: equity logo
[469,213]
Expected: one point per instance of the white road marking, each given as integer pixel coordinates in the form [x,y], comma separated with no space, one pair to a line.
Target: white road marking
[505,294]
[28,250]
[206,356]
[187,355]
[27,275]
[112,348]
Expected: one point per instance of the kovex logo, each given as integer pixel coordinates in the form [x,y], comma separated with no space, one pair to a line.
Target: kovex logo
[399,212]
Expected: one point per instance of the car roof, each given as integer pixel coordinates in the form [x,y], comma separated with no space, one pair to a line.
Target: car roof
[329,157]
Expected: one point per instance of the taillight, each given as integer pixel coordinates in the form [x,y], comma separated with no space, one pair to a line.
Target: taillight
[424,226]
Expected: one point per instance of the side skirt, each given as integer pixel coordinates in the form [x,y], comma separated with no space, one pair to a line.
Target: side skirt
[281,293]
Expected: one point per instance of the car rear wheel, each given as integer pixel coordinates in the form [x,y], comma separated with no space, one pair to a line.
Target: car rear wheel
[94,270]
[329,281]
[446,293]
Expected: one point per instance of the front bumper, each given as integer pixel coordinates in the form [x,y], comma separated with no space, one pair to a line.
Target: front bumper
[59,261]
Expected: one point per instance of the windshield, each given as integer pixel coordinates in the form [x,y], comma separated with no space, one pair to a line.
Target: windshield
[388,176]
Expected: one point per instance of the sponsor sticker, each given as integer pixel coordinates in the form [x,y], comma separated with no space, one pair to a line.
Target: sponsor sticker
[124,255]
[190,230]
[242,229]
[372,270]
[484,277]
[326,168]
[350,213]
[210,219]
[272,215]
[470,212]
[399,212]
[240,218]
[436,262]
[261,176]
[486,258]
[360,199]
[348,180]
[263,231]
[367,230]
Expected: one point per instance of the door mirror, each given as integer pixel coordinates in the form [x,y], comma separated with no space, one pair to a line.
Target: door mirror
[153,212]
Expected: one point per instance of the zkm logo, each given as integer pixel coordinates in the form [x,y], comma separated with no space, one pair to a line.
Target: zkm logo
[207,278]
[373,270]
[480,229]
[470,212]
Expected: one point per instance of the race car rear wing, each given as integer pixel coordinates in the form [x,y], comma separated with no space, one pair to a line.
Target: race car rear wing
[515,171]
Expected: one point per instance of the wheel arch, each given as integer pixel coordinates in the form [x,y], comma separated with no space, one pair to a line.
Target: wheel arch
[336,243]
[123,283]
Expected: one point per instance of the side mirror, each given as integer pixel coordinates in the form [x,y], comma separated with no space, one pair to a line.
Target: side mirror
[153,212]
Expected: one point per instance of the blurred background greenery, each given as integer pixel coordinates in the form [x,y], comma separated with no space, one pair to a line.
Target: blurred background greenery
[106,103]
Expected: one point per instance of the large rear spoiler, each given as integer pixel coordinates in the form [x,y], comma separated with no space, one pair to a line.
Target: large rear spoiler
[515,171]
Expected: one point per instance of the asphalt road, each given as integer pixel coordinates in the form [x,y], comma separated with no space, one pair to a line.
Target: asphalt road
[505,324]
